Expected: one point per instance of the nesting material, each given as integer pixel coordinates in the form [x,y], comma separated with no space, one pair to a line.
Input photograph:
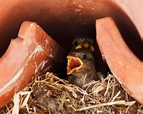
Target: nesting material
[52,95]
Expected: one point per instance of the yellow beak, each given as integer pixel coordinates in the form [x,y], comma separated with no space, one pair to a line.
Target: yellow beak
[86,46]
[74,63]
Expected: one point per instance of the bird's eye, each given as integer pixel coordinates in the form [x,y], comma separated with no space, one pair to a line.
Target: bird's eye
[76,43]
[83,56]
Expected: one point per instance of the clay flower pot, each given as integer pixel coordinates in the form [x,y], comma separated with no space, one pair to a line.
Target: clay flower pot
[62,20]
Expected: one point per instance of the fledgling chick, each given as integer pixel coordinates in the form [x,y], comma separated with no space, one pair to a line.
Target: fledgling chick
[83,42]
[80,67]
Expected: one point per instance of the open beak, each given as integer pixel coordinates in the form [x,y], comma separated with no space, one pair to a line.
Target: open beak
[74,63]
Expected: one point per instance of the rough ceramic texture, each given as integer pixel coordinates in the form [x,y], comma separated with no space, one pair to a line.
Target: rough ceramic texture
[134,10]
[64,19]
[127,68]
[27,55]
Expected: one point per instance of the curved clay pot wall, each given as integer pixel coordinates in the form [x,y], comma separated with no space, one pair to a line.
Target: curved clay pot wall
[65,19]
[62,20]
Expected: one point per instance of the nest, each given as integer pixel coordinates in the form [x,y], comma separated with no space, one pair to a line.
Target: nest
[48,94]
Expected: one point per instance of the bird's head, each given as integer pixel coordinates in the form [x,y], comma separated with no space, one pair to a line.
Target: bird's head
[77,59]
[83,42]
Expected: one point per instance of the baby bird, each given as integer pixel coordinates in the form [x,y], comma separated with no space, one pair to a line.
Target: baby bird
[80,67]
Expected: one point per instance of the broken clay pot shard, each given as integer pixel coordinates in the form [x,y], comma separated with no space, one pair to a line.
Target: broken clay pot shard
[26,56]
[127,68]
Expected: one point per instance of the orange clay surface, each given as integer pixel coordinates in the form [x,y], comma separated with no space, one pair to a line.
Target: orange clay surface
[127,68]
[27,55]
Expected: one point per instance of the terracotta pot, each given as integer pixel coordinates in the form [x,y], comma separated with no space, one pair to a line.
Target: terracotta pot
[65,19]
[68,18]
[125,66]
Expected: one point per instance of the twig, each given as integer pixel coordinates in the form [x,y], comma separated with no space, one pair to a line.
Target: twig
[122,102]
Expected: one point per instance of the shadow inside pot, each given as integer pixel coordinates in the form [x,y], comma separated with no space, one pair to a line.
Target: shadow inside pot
[66,19]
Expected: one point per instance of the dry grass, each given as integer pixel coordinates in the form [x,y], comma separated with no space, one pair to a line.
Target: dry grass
[48,94]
